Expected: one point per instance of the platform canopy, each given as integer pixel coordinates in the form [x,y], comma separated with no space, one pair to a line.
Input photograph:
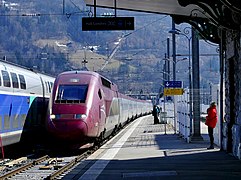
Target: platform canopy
[170,7]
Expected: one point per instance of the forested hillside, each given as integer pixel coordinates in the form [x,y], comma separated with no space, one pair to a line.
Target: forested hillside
[47,35]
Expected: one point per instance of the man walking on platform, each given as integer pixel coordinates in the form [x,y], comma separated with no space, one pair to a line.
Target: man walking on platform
[155,113]
[211,121]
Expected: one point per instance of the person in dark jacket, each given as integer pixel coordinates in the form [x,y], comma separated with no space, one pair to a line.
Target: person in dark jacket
[211,121]
[155,113]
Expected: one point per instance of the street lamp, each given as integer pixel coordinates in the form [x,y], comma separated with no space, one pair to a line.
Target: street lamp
[186,32]
[175,63]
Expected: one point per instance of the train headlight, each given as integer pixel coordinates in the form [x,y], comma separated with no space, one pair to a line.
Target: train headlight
[52,116]
[81,116]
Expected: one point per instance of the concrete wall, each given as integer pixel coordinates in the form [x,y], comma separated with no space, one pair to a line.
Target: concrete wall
[232,119]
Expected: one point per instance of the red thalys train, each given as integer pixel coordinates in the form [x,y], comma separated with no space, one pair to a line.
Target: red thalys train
[85,106]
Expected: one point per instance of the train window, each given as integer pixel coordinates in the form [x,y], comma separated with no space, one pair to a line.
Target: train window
[22,81]
[14,80]
[6,79]
[49,85]
[46,86]
[99,93]
[71,94]
[105,82]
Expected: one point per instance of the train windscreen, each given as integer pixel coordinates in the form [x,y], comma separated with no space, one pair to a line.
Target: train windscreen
[71,94]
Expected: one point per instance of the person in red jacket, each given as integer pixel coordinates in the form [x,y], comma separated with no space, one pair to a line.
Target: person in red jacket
[211,121]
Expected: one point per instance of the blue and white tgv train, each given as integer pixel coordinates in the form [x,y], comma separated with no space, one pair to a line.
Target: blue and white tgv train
[24,96]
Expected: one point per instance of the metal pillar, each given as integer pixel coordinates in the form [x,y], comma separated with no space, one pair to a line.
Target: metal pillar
[190,86]
[186,32]
[174,51]
[196,88]
[222,58]
[174,72]
[168,57]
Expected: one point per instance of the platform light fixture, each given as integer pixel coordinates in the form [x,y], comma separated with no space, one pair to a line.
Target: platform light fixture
[186,32]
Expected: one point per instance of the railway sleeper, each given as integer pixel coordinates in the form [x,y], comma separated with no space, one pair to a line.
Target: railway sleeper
[15,162]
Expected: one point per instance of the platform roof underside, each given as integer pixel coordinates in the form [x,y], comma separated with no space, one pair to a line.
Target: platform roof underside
[170,7]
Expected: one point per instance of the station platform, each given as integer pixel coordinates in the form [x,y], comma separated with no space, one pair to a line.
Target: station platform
[146,151]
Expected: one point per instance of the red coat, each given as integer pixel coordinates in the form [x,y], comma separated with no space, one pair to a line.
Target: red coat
[211,118]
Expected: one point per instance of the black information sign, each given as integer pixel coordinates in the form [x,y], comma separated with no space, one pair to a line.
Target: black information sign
[107,23]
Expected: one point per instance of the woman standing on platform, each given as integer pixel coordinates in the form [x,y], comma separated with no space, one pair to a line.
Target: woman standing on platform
[211,121]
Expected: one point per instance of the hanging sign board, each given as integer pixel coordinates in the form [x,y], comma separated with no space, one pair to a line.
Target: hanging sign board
[107,23]
[173,84]
[173,91]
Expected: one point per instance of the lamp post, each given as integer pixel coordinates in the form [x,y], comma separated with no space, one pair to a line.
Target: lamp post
[173,62]
[186,32]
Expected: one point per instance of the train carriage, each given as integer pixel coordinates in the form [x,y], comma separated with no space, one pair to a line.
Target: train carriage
[80,115]
[24,97]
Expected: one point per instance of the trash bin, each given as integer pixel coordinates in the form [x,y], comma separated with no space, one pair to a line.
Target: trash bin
[163,117]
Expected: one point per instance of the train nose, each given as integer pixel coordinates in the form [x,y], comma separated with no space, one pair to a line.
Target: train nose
[68,128]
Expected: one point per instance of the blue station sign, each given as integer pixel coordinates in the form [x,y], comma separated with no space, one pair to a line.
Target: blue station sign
[173,84]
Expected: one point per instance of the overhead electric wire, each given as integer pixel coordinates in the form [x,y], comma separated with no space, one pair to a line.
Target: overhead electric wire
[77,13]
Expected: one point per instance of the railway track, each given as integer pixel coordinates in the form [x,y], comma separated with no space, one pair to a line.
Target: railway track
[23,167]
[44,168]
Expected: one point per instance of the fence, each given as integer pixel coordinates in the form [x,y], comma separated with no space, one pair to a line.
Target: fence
[183,115]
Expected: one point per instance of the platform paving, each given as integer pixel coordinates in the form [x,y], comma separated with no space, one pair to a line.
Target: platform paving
[145,151]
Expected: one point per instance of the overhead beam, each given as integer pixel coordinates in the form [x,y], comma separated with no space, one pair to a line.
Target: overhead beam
[155,6]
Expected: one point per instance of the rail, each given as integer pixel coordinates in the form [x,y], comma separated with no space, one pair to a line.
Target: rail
[24,167]
[66,167]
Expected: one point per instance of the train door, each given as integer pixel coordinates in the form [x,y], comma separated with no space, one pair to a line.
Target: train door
[5,105]
[118,106]
[114,111]
[102,110]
